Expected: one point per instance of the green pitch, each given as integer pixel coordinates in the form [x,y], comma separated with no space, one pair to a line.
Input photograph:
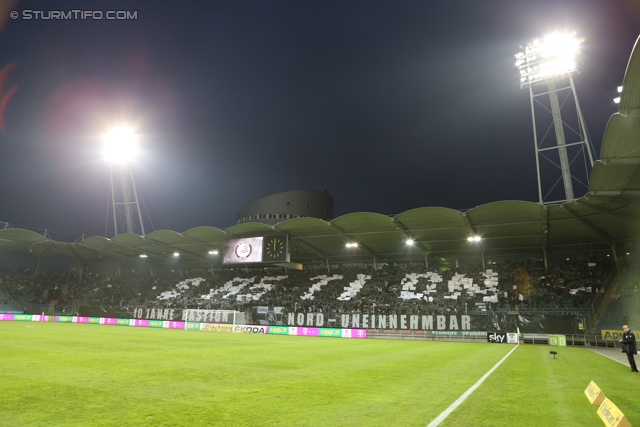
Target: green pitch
[93,375]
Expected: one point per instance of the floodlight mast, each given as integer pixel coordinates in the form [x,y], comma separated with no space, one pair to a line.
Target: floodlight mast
[546,62]
[119,152]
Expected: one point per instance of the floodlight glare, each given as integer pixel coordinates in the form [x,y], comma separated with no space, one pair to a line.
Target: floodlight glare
[352,245]
[176,254]
[213,252]
[474,239]
[554,55]
[409,242]
[143,255]
[616,100]
[120,145]
[546,67]
[619,89]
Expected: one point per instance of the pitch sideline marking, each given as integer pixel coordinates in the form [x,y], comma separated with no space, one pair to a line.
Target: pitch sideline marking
[608,357]
[467,393]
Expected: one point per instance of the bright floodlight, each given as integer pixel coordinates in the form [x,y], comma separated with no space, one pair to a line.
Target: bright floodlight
[176,254]
[474,239]
[143,255]
[352,245]
[409,242]
[213,252]
[120,145]
[616,100]
[553,55]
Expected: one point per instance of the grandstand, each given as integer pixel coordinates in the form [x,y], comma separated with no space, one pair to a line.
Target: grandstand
[527,288]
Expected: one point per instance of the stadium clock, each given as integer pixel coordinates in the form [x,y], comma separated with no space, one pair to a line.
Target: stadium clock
[274,249]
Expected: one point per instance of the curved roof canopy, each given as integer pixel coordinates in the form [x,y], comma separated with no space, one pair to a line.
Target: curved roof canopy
[504,227]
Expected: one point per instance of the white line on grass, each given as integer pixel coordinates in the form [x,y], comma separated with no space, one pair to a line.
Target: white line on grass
[601,354]
[467,393]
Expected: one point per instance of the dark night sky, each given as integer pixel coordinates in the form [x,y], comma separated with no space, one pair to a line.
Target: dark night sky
[388,105]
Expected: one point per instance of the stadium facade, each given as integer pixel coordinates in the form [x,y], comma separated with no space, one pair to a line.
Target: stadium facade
[279,207]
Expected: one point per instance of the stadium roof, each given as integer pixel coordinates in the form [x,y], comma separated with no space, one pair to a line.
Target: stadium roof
[608,214]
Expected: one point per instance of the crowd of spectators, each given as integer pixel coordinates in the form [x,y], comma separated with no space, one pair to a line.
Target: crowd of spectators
[521,286]
[570,285]
[38,292]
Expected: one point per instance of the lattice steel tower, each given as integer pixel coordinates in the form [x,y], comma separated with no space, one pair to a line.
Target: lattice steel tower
[546,66]
[120,150]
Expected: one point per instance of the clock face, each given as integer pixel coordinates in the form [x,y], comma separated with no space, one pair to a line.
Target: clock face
[274,249]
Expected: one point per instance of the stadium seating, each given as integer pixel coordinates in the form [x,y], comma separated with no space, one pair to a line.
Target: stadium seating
[568,288]
[7,304]
[622,306]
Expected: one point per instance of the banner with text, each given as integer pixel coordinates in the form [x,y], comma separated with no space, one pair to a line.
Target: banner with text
[250,329]
[611,334]
[494,322]
[277,316]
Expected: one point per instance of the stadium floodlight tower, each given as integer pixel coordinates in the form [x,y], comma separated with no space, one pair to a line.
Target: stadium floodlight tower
[120,151]
[546,66]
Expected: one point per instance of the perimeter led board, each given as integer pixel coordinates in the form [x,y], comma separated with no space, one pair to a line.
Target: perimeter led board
[256,250]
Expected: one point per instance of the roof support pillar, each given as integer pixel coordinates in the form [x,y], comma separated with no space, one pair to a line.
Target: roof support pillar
[77,258]
[600,232]
[352,240]
[615,256]
[545,234]
[474,232]
[411,236]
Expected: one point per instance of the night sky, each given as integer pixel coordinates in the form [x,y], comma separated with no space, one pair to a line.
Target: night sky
[389,105]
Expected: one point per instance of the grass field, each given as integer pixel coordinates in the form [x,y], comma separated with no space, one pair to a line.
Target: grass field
[94,375]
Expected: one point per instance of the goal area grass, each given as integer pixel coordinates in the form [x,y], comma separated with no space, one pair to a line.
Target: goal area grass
[55,374]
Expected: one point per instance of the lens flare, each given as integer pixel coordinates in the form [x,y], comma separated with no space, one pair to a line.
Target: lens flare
[5,97]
